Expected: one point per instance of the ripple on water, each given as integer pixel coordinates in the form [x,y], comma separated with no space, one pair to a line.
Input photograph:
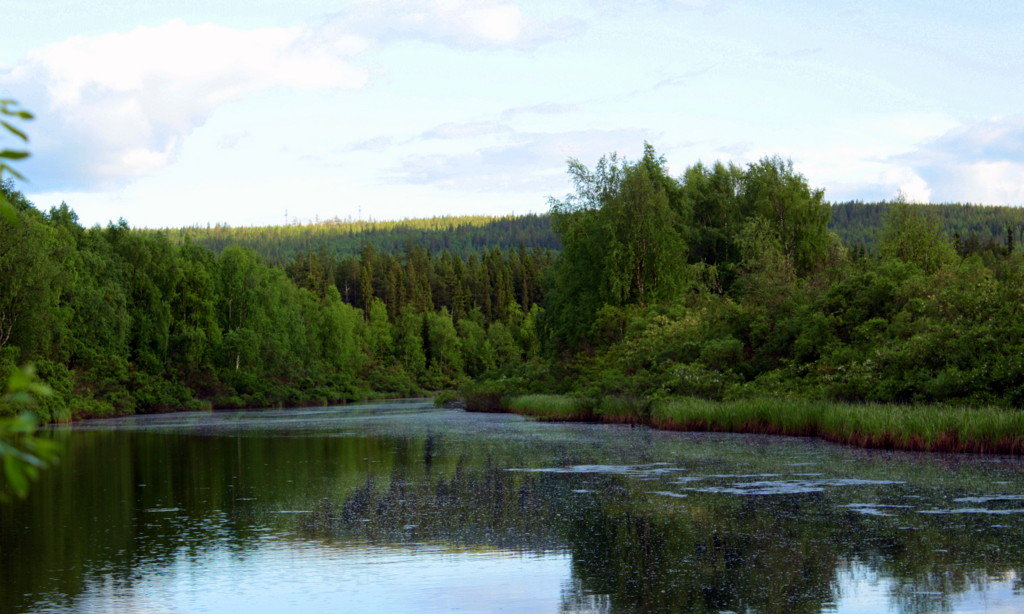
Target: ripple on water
[789,487]
[990,498]
[874,509]
[669,493]
[972,510]
[653,469]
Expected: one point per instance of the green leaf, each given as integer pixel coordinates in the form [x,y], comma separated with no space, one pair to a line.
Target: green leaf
[18,133]
[7,168]
[25,115]
[16,477]
[10,154]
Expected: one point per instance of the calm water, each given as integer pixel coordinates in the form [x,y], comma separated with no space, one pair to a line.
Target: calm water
[400,507]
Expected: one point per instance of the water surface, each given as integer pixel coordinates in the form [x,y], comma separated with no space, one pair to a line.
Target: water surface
[400,507]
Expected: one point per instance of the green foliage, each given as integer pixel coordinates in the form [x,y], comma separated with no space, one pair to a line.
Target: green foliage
[548,407]
[10,115]
[632,235]
[446,397]
[762,300]
[796,214]
[912,234]
[120,321]
[290,243]
[725,283]
[22,452]
[621,242]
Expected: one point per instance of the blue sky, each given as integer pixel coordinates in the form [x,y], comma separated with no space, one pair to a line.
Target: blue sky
[177,113]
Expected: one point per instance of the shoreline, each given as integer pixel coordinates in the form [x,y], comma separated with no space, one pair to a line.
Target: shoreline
[211,407]
[910,428]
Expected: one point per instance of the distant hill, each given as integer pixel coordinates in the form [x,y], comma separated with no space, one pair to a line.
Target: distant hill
[856,223]
[462,235]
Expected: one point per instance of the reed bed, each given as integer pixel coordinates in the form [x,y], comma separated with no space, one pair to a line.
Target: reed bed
[934,428]
[549,407]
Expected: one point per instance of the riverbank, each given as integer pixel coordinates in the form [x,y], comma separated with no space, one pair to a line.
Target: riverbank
[930,428]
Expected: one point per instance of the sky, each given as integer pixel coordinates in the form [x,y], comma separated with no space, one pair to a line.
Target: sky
[174,113]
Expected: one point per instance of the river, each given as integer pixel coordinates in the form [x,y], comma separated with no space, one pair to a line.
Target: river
[400,507]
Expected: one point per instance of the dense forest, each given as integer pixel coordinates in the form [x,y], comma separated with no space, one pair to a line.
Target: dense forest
[970,227]
[727,283]
[118,321]
[857,225]
[461,235]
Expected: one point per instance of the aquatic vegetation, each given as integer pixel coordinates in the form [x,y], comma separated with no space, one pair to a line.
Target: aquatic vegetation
[934,428]
[549,407]
[874,425]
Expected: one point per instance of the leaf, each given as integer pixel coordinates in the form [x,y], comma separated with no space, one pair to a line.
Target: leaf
[16,174]
[25,115]
[16,477]
[14,131]
[10,154]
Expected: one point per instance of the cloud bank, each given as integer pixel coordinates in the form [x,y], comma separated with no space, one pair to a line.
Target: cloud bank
[117,107]
[980,162]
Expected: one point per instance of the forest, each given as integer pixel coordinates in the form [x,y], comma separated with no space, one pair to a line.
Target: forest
[117,321]
[726,283]
[461,235]
[857,224]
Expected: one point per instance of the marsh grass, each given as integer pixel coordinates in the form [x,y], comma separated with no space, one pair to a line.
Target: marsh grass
[549,407]
[623,410]
[936,428]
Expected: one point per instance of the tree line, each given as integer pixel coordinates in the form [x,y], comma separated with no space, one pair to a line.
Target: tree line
[724,282]
[461,235]
[972,228]
[727,283]
[857,224]
[118,321]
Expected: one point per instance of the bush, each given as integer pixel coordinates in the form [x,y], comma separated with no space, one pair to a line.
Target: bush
[88,407]
[394,380]
[55,407]
[445,398]
[487,395]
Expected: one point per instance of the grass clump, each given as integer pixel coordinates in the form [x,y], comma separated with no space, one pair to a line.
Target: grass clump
[623,410]
[932,428]
[549,407]
[937,428]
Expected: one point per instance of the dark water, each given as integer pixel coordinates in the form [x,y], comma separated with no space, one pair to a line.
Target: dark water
[399,507]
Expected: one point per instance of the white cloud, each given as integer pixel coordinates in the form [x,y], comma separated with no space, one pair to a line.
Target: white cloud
[471,24]
[908,184]
[979,162]
[117,106]
[544,108]
[533,162]
[462,130]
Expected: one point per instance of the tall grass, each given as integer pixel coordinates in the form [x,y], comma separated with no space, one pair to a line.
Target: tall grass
[549,407]
[937,428]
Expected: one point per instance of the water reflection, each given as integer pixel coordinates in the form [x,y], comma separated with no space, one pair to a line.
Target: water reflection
[400,507]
